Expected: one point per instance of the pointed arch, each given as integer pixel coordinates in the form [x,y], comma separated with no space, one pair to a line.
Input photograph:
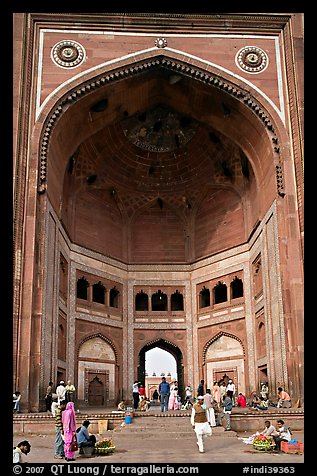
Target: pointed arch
[104,338]
[217,336]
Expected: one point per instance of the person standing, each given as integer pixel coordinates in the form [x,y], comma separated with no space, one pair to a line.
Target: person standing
[164,391]
[208,401]
[69,429]
[54,405]
[16,402]
[59,443]
[216,394]
[226,411]
[173,399]
[48,397]
[223,392]
[155,396]
[142,391]
[22,448]
[200,423]
[231,389]
[61,391]
[200,389]
[70,390]
[135,395]
[188,393]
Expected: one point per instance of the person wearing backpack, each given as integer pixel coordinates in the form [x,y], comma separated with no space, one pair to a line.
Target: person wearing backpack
[226,412]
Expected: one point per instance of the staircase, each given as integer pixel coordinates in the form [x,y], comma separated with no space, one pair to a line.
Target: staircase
[174,427]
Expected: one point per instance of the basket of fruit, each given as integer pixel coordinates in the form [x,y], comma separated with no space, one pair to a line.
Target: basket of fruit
[263,443]
[104,446]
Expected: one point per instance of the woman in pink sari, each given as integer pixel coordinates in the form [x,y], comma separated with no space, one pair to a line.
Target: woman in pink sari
[69,429]
[173,400]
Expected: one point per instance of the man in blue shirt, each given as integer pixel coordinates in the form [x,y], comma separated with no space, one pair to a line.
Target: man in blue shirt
[83,436]
[164,391]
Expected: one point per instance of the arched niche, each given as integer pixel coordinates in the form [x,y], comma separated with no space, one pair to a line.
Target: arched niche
[96,370]
[225,355]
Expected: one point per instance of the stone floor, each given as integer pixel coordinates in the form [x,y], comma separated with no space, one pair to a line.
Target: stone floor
[170,439]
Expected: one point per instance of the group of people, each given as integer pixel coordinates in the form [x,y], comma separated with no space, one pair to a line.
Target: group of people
[66,432]
[140,400]
[279,434]
[63,392]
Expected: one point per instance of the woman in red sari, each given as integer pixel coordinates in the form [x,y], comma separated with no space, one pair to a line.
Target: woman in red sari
[69,429]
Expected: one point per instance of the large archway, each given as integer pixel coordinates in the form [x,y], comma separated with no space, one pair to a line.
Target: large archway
[171,135]
[170,347]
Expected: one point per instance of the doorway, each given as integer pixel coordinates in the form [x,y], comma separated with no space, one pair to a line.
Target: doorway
[171,349]
[96,391]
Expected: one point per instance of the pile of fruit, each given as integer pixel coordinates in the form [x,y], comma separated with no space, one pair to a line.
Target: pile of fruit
[263,443]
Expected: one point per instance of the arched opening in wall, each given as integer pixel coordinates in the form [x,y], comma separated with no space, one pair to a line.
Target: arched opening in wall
[159,301]
[82,288]
[141,301]
[98,293]
[177,301]
[114,297]
[220,293]
[96,372]
[224,358]
[236,287]
[160,358]
[204,298]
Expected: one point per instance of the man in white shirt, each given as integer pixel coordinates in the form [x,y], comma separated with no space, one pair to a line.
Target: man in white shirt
[231,389]
[23,448]
[61,391]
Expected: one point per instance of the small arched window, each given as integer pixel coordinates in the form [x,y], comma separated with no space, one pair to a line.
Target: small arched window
[177,301]
[236,286]
[141,302]
[204,297]
[82,286]
[220,293]
[114,297]
[159,301]
[98,293]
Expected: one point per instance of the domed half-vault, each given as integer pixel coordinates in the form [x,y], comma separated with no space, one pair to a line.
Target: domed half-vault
[158,201]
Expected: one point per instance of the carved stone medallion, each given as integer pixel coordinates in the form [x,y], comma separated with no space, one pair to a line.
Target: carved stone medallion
[68,54]
[252,59]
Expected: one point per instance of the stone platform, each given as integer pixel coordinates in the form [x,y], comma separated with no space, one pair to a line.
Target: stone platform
[155,437]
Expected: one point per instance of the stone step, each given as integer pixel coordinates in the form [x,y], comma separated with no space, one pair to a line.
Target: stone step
[162,428]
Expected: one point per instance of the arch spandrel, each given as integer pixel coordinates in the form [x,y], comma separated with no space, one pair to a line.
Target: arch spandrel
[70,108]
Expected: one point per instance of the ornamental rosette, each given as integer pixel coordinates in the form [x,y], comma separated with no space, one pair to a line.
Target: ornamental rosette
[160,42]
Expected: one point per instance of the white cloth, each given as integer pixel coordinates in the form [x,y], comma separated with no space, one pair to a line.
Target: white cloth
[285,433]
[53,408]
[268,431]
[18,456]
[200,428]
[60,392]
[232,387]
[211,416]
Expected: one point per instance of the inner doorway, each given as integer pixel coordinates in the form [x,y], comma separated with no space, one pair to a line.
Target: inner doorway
[178,369]
[95,391]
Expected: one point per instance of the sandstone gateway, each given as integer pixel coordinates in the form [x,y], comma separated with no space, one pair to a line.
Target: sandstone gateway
[158,200]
